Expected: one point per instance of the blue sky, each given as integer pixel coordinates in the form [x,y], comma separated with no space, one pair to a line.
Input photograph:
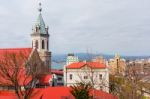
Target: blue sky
[99,26]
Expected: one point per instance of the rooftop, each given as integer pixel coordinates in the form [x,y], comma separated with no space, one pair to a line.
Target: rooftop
[93,65]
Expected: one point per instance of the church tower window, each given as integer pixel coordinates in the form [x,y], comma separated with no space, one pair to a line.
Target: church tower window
[43,45]
[47,45]
[36,44]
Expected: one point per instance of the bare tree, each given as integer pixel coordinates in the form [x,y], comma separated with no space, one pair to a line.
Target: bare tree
[94,77]
[131,85]
[20,72]
[90,75]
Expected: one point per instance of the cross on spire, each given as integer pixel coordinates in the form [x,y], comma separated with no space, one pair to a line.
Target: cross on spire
[40,8]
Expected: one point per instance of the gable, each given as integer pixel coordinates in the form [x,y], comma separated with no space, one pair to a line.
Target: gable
[85,67]
[34,63]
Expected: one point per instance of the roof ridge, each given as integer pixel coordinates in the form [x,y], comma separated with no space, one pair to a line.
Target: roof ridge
[15,48]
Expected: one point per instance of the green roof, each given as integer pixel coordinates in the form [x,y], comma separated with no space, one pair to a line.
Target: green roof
[40,23]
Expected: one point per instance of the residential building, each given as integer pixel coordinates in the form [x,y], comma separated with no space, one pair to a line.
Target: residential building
[88,72]
[142,66]
[58,77]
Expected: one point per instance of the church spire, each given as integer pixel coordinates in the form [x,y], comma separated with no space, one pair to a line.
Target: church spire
[40,24]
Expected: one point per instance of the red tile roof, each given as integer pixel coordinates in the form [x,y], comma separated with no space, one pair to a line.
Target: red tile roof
[102,95]
[18,52]
[22,79]
[7,95]
[45,79]
[56,71]
[24,51]
[94,65]
[59,93]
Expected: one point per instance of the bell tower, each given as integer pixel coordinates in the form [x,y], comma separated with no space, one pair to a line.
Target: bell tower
[40,40]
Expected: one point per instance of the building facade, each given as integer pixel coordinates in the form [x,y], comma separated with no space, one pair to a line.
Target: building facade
[94,73]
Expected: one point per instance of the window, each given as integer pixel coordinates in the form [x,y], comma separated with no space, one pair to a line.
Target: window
[85,77]
[101,87]
[59,78]
[36,44]
[100,76]
[70,76]
[43,46]
[36,28]
[47,45]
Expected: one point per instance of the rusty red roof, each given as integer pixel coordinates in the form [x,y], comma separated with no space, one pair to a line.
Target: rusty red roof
[57,71]
[26,51]
[19,52]
[99,94]
[45,79]
[59,93]
[94,65]
[7,95]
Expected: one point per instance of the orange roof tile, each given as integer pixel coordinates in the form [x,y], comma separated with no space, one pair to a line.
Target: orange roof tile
[10,69]
[25,51]
[57,71]
[99,94]
[45,79]
[7,95]
[59,93]
[94,65]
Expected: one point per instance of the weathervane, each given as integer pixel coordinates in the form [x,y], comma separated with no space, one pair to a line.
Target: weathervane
[40,8]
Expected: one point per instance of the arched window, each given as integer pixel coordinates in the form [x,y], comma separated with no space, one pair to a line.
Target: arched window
[43,45]
[47,45]
[36,44]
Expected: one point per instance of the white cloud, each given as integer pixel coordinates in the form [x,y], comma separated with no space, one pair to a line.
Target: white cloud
[105,26]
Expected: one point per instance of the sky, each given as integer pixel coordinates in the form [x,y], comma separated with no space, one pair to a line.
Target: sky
[93,26]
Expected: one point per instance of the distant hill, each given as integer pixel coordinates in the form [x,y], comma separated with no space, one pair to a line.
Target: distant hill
[85,56]
[58,60]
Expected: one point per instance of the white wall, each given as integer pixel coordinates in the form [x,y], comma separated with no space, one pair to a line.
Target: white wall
[78,76]
[39,39]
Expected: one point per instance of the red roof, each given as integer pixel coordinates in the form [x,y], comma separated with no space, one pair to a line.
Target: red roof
[56,71]
[45,79]
[7,95]
[19,52]
[24,51]
[59,93]
[102,95]
[78,65]
[22,78]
